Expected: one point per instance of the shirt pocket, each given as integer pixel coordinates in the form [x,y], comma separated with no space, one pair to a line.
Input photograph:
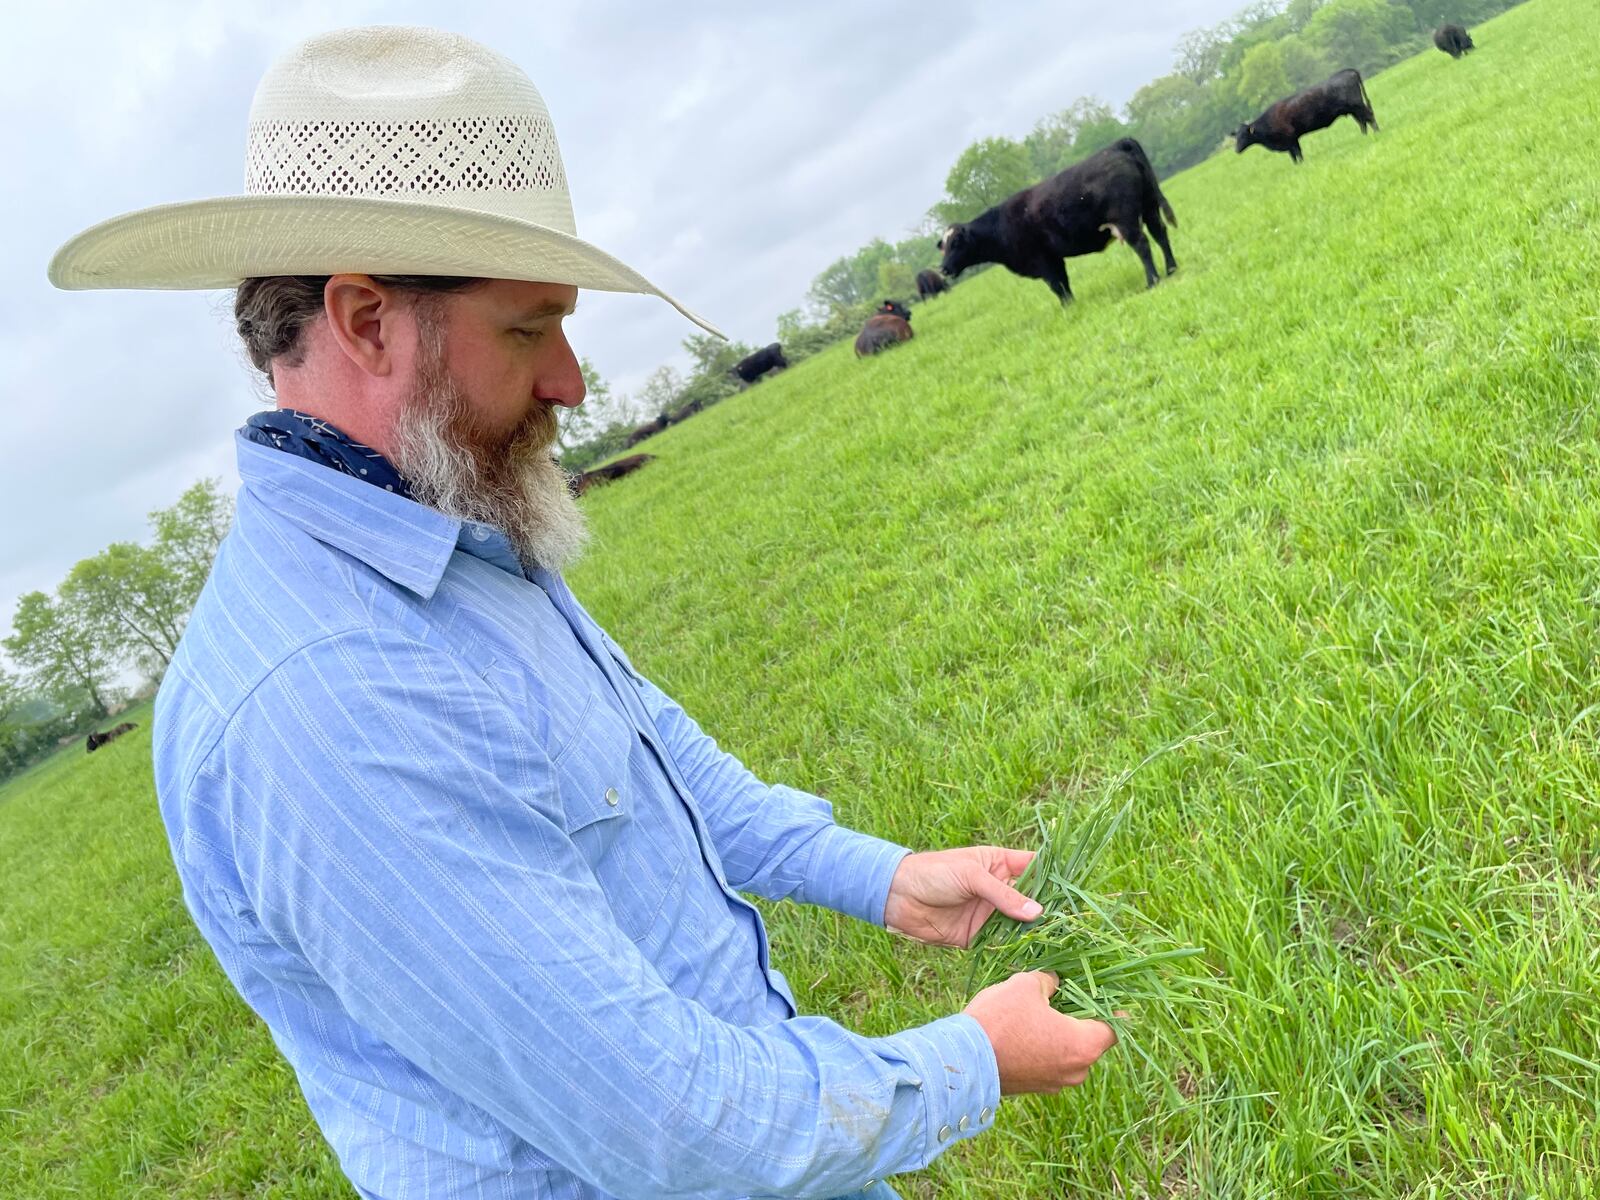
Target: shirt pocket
[617,819]
[593,778]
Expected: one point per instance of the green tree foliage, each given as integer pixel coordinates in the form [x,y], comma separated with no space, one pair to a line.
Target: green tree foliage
[986,173]
[1364,34]
[136,600]
[188,534]
[59,643]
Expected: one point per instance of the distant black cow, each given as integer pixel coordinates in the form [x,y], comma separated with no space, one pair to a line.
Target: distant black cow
[753,366]
[882,331]
[1453,40]
[648,429]
[96,740]
[930,283]
[1283,125]
[894,308]
[1079,211]
[581,483]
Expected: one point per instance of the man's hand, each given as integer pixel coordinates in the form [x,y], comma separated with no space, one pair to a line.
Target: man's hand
[943,896]
[1037,1048]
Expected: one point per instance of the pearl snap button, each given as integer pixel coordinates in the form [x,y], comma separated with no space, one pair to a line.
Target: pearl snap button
[612,797]
[986,1114]
[944,1133]
[961,1125]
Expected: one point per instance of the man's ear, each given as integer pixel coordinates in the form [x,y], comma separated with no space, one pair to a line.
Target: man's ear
[363,319]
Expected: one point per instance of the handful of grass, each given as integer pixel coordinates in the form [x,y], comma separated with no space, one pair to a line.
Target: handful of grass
[1108,956]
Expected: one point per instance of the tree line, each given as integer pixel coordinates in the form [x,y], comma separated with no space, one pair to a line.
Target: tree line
[1222,76]
[117,614]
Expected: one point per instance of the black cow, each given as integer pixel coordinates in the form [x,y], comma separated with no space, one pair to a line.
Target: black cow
[582,482]
[753,366]
[648,429]
[1283,125]
[882,331]
[930,283]
[1079,211]
[96,740]
[1453,40]
[894,308]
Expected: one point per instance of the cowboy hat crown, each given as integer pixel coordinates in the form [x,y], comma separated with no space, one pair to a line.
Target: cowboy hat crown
[383,150]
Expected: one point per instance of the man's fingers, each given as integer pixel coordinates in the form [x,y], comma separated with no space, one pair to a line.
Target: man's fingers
[1017,861]
[1048,981]
[1004,897]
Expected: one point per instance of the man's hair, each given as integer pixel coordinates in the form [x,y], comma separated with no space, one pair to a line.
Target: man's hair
[269,312]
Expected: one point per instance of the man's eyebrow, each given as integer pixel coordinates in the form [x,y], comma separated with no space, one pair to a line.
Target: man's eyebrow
[549,308]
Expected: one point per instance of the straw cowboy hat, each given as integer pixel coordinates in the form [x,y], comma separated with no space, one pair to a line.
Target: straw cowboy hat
[382,150]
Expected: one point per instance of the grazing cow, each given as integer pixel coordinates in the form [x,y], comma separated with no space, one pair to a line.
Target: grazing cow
[930,283]
[1079,211]
[96,740]
[1283,125]
[882,331]
[1453,40]
[582,482]
[753,366]
[894,308]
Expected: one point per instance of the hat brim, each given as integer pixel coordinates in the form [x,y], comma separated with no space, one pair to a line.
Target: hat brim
[217,243]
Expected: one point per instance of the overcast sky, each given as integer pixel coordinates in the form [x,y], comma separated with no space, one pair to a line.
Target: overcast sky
[728,152]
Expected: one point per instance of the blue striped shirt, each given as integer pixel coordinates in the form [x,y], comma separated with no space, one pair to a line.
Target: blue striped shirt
[482,880]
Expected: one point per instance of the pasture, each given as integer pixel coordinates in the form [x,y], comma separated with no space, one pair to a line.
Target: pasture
[1326,497]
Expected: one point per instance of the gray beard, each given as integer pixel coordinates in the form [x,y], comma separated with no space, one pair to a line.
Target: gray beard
[511,482]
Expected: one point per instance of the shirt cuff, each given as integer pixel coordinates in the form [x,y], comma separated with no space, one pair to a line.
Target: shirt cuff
[960,1079]
[850,872]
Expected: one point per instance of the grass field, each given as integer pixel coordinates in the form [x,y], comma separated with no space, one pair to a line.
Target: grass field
[1326,497]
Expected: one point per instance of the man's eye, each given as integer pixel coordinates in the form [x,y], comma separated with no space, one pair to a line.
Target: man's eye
[529,334]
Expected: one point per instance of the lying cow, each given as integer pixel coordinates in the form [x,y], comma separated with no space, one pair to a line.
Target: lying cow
[883,330]
[930,283]
[1079,211]
[648,429]
[582,482]
[753,366]
[1282,126]
[1453,40]
[96,740]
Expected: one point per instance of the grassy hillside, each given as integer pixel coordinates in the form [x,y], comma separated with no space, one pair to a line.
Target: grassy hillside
[1326,496]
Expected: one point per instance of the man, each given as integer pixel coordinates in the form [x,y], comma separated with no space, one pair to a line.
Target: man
[478,875]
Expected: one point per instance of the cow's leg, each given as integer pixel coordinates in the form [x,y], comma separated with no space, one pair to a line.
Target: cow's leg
[1056,276]
[1158,230]
[1141,247]
[1294,150]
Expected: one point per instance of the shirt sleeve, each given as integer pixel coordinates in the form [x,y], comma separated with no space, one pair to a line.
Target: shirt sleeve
[774,841]
[397,831]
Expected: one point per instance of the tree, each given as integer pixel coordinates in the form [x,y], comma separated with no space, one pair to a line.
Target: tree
[1201,53]
[61,646]
[660,391]
[1170,117]
[896,280]
[189,533]
[136,599]
[12,694]
[986,173]
[1364,34]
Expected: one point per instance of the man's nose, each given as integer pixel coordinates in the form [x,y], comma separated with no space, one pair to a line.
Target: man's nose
[562,383]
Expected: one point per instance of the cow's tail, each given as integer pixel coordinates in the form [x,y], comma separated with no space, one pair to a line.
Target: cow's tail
[1136,151]
[1365,99]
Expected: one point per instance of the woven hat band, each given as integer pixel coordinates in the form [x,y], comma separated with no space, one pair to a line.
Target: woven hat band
[507,165]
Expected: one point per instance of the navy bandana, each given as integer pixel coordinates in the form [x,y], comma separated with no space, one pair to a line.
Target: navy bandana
[313,438]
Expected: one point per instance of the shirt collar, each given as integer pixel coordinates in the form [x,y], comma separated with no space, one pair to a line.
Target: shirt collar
[399,538]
